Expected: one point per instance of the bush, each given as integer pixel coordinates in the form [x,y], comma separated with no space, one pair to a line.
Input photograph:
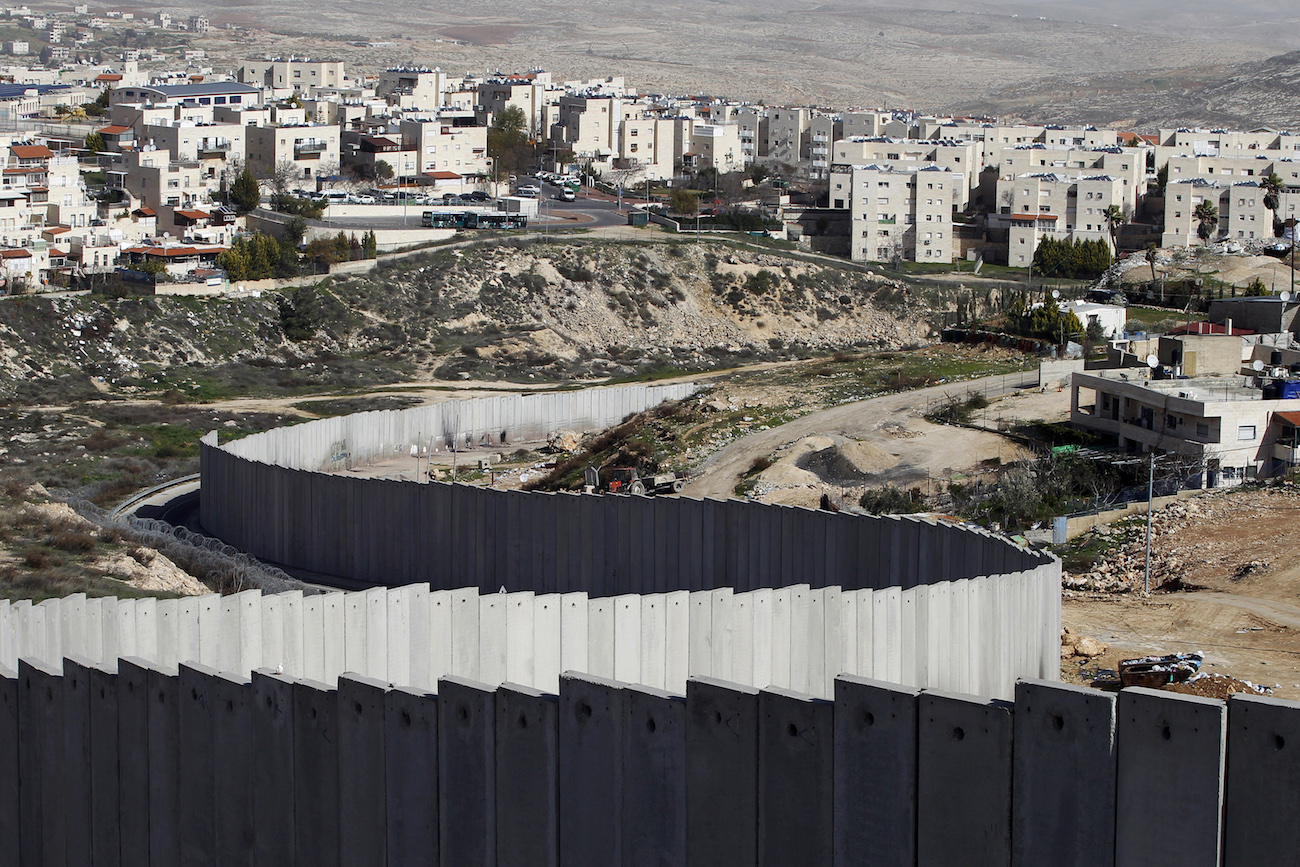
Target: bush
[891,500]
[73,541]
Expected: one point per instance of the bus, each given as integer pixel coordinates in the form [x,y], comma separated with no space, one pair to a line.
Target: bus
[442,220]
[475,220]
[472,220]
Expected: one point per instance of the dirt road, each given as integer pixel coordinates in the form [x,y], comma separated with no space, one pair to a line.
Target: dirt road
[861,419]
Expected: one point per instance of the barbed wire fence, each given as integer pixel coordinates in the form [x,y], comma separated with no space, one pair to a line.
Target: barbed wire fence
[226,569]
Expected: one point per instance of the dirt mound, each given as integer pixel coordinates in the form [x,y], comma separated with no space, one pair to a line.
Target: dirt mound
[846,463]
[1218,686]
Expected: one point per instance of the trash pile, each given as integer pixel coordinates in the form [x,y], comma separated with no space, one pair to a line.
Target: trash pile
[1158,671]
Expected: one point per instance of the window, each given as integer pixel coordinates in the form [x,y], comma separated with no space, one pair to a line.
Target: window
[1202,429]
[1245,432]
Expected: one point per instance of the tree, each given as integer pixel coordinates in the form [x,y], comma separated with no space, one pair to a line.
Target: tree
[1114,217]
[370,245]
[245,193]
[684,202]
[379,170]
[507,139]
[1272,185]
[1207,219]
[94,142]
[1256,288]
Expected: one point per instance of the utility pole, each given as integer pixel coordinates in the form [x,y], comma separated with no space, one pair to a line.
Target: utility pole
[1151,487]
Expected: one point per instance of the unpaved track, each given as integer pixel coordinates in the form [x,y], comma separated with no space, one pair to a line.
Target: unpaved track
[721,473]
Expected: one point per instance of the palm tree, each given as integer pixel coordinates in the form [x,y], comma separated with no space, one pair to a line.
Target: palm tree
[1114,217]
[1272,187]
[1207,219]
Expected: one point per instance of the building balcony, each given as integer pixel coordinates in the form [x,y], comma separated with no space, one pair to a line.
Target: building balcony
[309,150]
[214,151]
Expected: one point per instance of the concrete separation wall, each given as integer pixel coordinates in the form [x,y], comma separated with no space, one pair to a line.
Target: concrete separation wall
[136,763]
[797,638]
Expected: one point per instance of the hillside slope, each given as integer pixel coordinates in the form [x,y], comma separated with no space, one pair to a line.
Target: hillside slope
[541,311]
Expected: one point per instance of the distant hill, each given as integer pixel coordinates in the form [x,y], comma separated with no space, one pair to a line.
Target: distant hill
[1253,93]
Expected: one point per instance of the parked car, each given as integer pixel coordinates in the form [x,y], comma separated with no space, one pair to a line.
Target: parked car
[478,196]
[363,199]
[529,191]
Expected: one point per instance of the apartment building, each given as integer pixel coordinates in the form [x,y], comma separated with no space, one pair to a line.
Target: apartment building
[1064,207]
[298,152]
[214,146]
[590,126]
[212,93]
[153,178]
[1269,143]
[411,86]
[898,213]
[715,146]
[956,156]
[1242,215]
[283,77]
[1126,164]
[453,142]
[529,93]
[1234,432]
[788,135]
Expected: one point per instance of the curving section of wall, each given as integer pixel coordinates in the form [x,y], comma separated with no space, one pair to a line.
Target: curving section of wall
[351,440]
[959,635]
[769,594]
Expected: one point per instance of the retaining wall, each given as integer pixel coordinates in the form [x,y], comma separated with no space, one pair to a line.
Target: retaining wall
[963,636]
[141,764]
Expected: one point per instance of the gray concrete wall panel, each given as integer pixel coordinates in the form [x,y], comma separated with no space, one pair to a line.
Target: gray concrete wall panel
[197,772]
[527,783]
[1064,776]
[105,817]
[1261,824]
[10,812]
[411,756]
[1171,750]
[315,774]
[133,759]
[362,764]
[875,773]
[77,747]
[466,773]
[796,753]
[721,774]
[654,778]
[164,766]
[592,714]
[233,747]
[963,781]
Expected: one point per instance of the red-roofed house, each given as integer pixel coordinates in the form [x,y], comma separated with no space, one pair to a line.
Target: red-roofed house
[117,136]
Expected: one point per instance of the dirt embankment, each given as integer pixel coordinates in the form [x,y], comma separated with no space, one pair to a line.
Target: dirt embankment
[1226,568]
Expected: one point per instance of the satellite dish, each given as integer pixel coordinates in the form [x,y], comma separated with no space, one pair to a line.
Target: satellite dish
[1056,293]
[1286,296]
[1258,365]
[1153,361]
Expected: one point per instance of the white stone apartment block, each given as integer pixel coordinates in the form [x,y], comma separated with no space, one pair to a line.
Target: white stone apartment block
[1232,430]
[299,153]
[717,146]
[899,213]
[451,144]
[293,75]
[956,156]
